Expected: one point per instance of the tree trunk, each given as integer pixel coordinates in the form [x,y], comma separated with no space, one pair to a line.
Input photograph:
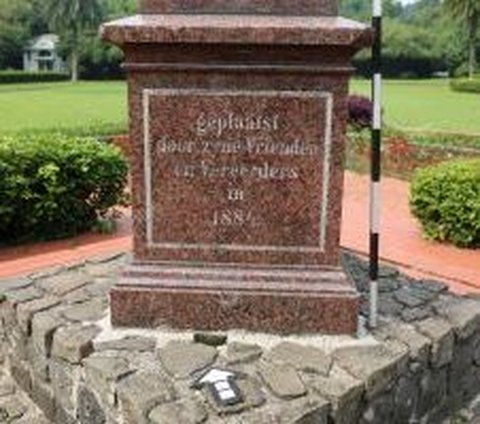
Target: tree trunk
[471,60]
[74,64]
[472,38]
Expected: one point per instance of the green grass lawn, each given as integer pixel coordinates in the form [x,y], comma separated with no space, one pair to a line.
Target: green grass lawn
[427,105]
[62,105]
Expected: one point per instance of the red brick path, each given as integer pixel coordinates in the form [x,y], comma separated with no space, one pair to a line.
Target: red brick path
[401,241]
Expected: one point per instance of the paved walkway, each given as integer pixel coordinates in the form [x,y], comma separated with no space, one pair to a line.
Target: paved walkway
[401,241]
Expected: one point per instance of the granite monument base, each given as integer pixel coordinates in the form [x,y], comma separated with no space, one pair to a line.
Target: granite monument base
[267,299]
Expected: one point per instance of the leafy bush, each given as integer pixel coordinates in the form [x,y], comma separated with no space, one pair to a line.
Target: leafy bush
[12,77]
[360,110]
[55,186]
[446,200]
[466,85]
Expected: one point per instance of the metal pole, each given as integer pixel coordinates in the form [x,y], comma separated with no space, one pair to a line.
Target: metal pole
[375,159]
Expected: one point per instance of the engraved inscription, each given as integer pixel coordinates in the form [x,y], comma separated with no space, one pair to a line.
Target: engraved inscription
[235,194]
[217,125]
[233,218]
[237,170]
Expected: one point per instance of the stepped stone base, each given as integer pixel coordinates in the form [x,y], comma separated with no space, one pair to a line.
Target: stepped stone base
[278,300]
[421,365]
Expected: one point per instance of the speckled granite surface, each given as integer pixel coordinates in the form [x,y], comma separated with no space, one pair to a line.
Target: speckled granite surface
[237,131]
[237,29]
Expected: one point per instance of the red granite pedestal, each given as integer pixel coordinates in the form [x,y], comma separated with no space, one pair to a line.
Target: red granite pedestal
[237,124]
[220,297]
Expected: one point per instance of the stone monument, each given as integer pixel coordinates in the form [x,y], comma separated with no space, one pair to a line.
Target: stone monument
[237,122]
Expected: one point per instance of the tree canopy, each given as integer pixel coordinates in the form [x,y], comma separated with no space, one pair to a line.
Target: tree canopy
[70,19]
[467,12]
[419,39]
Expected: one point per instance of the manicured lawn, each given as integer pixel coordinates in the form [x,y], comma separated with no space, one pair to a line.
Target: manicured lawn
[427,105]
[409,105]
[62,105]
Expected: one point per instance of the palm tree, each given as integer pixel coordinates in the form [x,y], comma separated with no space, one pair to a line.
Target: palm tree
[468,12]
[71,18]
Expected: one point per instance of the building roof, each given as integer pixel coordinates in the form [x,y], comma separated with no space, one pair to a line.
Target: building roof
[43,42]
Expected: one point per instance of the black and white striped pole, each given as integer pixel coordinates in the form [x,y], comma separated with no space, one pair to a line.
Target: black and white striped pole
[375,159]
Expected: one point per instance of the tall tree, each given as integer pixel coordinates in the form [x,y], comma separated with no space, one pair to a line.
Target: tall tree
[361,9]
[467,12]
[71,19]
[20,20]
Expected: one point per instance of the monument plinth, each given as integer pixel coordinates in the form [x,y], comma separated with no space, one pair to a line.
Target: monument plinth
[237,122]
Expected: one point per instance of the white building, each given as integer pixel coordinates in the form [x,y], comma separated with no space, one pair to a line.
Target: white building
[41,55]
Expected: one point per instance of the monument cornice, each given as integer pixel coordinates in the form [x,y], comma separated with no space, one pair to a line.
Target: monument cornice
[237,29]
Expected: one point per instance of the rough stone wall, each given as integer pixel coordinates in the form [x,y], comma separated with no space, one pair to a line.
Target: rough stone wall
[421,366]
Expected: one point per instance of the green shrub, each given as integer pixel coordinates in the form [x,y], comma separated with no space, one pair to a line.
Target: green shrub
[13,77]
[54,186]
[466,85]
[94,129]
[446,140]
[446,200]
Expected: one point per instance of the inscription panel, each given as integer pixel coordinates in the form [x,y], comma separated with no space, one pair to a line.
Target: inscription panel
[237,170]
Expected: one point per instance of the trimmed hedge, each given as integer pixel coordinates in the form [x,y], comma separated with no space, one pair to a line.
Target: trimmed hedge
[446,200]
[441,140]
[400,66]
[13,77]
[54,186]
[465,85]
[95,129]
